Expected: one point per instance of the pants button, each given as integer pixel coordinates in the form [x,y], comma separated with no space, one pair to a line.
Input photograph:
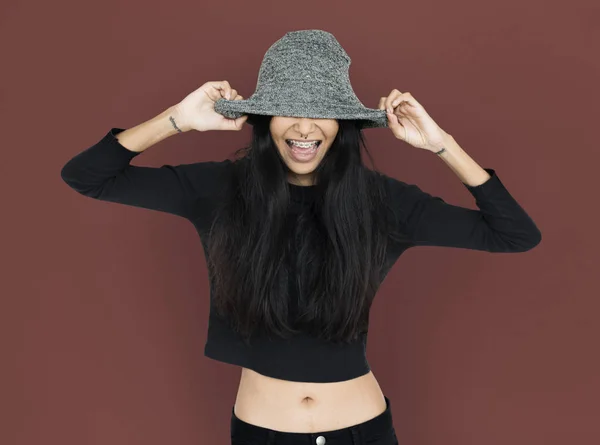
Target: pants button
[320,440]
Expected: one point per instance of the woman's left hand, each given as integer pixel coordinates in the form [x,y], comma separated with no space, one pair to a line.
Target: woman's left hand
[410,122]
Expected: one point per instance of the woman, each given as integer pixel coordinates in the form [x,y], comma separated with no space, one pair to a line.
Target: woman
[299,234]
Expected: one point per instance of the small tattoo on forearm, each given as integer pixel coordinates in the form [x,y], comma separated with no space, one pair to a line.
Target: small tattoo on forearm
[174,124]
[440,152]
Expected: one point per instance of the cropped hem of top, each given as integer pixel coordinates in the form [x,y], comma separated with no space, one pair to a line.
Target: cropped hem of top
[301,358]
[104,171]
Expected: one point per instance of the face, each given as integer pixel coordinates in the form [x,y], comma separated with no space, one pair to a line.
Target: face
[302,161]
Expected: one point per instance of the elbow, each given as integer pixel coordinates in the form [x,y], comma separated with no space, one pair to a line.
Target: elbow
[66,176]
[74,182]
[515,243]
[535,239]
[528,243]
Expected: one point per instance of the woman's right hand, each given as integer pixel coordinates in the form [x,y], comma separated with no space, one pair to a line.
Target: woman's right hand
[197,110]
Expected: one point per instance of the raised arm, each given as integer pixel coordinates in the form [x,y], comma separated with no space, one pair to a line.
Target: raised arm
[500,224]
[103,171]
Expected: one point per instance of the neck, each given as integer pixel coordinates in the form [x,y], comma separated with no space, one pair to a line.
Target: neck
[301,180]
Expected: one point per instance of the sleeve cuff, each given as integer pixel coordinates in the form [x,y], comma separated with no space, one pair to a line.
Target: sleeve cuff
[111,139]
[488,188]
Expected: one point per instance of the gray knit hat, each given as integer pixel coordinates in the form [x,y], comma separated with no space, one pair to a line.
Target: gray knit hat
[304,74]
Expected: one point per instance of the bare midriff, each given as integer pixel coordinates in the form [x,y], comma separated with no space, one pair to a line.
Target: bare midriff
[299,407]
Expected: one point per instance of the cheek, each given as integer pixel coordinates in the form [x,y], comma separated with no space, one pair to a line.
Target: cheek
[283,150]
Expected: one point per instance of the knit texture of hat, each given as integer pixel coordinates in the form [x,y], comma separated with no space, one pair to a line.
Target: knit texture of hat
[304,74]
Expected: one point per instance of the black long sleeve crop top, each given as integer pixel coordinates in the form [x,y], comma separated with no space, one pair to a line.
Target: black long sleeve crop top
[103,171]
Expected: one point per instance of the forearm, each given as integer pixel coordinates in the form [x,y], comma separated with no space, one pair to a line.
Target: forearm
[469,171]
[148,133]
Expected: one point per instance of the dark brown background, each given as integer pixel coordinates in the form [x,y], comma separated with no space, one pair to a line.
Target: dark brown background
[104,307]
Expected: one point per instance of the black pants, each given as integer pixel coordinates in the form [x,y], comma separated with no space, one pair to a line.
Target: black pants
[376,431]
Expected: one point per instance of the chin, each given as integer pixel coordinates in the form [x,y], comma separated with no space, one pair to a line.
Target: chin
[303,169]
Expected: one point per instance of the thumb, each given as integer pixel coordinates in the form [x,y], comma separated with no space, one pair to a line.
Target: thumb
[239,122]
[395,125]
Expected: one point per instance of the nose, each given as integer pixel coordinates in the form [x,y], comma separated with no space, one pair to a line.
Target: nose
[305,126]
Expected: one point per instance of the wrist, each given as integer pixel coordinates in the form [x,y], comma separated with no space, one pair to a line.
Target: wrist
[175,120]
[446,144]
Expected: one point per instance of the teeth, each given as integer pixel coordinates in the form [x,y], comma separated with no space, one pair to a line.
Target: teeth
[312,145]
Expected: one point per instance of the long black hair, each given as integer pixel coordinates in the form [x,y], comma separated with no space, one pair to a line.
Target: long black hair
[339,241]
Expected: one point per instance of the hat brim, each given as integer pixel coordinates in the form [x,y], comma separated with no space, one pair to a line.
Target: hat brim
[368,117]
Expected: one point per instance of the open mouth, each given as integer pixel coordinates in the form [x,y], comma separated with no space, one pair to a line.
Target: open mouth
[303,151]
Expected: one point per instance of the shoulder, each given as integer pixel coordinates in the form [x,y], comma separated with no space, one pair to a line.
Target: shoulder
[208,167]
[404,197]
[207,175]
[393,187]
